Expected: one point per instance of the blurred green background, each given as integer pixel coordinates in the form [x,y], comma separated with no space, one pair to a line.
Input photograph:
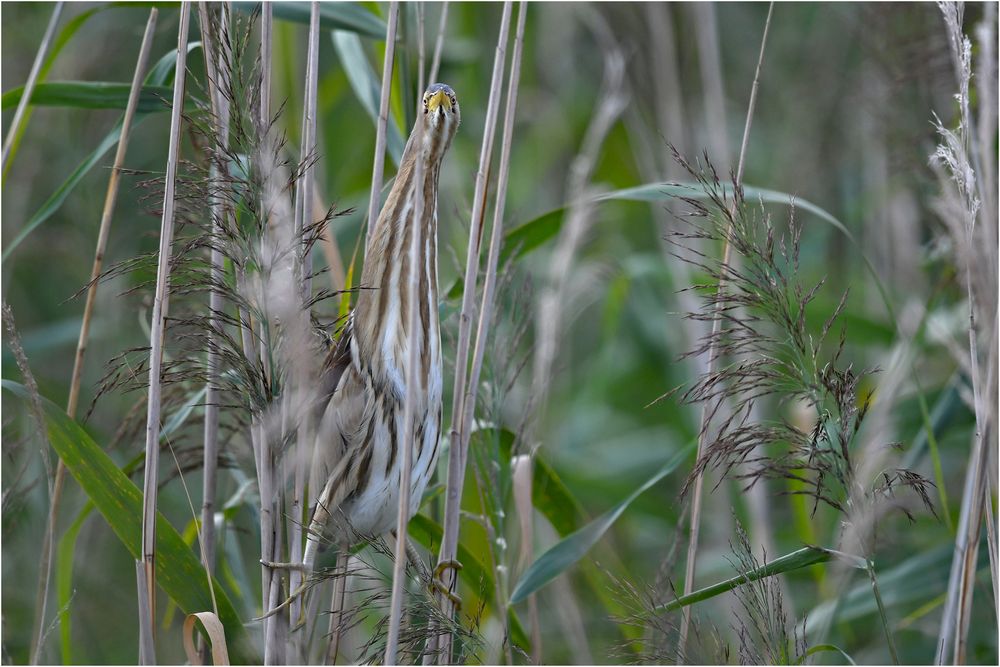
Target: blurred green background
[843,120]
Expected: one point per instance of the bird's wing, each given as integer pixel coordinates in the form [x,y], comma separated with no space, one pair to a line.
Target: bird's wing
[344,407]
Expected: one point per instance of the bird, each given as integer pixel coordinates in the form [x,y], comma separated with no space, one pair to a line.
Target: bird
[364,376]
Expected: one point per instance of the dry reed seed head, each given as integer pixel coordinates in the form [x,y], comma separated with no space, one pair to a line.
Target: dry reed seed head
[772,357]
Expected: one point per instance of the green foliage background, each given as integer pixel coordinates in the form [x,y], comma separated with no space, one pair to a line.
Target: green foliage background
[842,120]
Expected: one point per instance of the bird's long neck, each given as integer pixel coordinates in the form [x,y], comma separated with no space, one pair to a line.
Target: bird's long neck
[383,307]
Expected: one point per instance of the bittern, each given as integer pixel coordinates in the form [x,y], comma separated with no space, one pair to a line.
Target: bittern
[365,375]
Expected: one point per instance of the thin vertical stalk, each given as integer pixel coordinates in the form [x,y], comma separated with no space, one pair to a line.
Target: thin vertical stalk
[436,62]
[669,100]
[29,86]
[45,569]
[258,434]
[421,64]
[496,234]
[331,250]
[870,566]
[956,617]
[706,415]
[266,36]
[457,455]
[152,468]
[707,34]
[220,112]
[109,206]
[303,219]
[336,631]
[374,202]
[522,480]
[409,410]
[147,649]
[612,100]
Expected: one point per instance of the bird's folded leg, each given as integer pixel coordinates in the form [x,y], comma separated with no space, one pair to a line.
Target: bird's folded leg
[437,582]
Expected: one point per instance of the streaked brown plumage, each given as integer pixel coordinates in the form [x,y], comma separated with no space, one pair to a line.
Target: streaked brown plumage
[364,376]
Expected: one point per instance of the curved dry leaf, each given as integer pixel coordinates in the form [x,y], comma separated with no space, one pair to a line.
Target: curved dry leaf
[216,636]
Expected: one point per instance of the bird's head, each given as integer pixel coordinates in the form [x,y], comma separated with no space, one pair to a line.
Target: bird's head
[441,114]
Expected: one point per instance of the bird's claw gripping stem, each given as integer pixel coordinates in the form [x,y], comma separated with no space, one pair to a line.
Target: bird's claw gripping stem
[437,582]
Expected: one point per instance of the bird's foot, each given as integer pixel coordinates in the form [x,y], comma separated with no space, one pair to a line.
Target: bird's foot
[437,582]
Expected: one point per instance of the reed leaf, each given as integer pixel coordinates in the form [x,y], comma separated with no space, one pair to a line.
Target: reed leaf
[159,75]
[178,570]
[90,95]
[796,560]
[366,86]
[571,549]
[350,16]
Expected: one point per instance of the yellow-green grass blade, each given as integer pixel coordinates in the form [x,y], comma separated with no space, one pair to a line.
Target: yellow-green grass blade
[65,35]
[63,38]
[178,570]
[64,581]
[572,548]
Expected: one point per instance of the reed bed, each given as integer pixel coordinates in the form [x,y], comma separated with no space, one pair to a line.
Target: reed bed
[699,410]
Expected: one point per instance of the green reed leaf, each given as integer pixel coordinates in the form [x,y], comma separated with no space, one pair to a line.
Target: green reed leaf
[160,74]
[804,557]
[571,549]
[178,571]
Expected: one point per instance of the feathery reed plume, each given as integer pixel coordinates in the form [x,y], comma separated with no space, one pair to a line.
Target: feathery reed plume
[776,356]
[963,164]
[765,635]
[261,333]
[304,377]
[763,324]
[640,603]
[712,353]
[220,113]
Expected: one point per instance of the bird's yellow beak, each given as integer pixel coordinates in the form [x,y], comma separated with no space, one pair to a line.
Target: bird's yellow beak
[437,99]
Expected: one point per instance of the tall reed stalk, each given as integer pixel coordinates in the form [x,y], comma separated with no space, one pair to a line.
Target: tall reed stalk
[409,409]
[220,118]
[147,583]
[303,218]
[438,43]
[110,198]
[457,454]
[378,168]
[712,355]
[29,86]
[961,162]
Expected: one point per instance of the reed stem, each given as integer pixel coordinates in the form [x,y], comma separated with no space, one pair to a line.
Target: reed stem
[160,299]
[707,411]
